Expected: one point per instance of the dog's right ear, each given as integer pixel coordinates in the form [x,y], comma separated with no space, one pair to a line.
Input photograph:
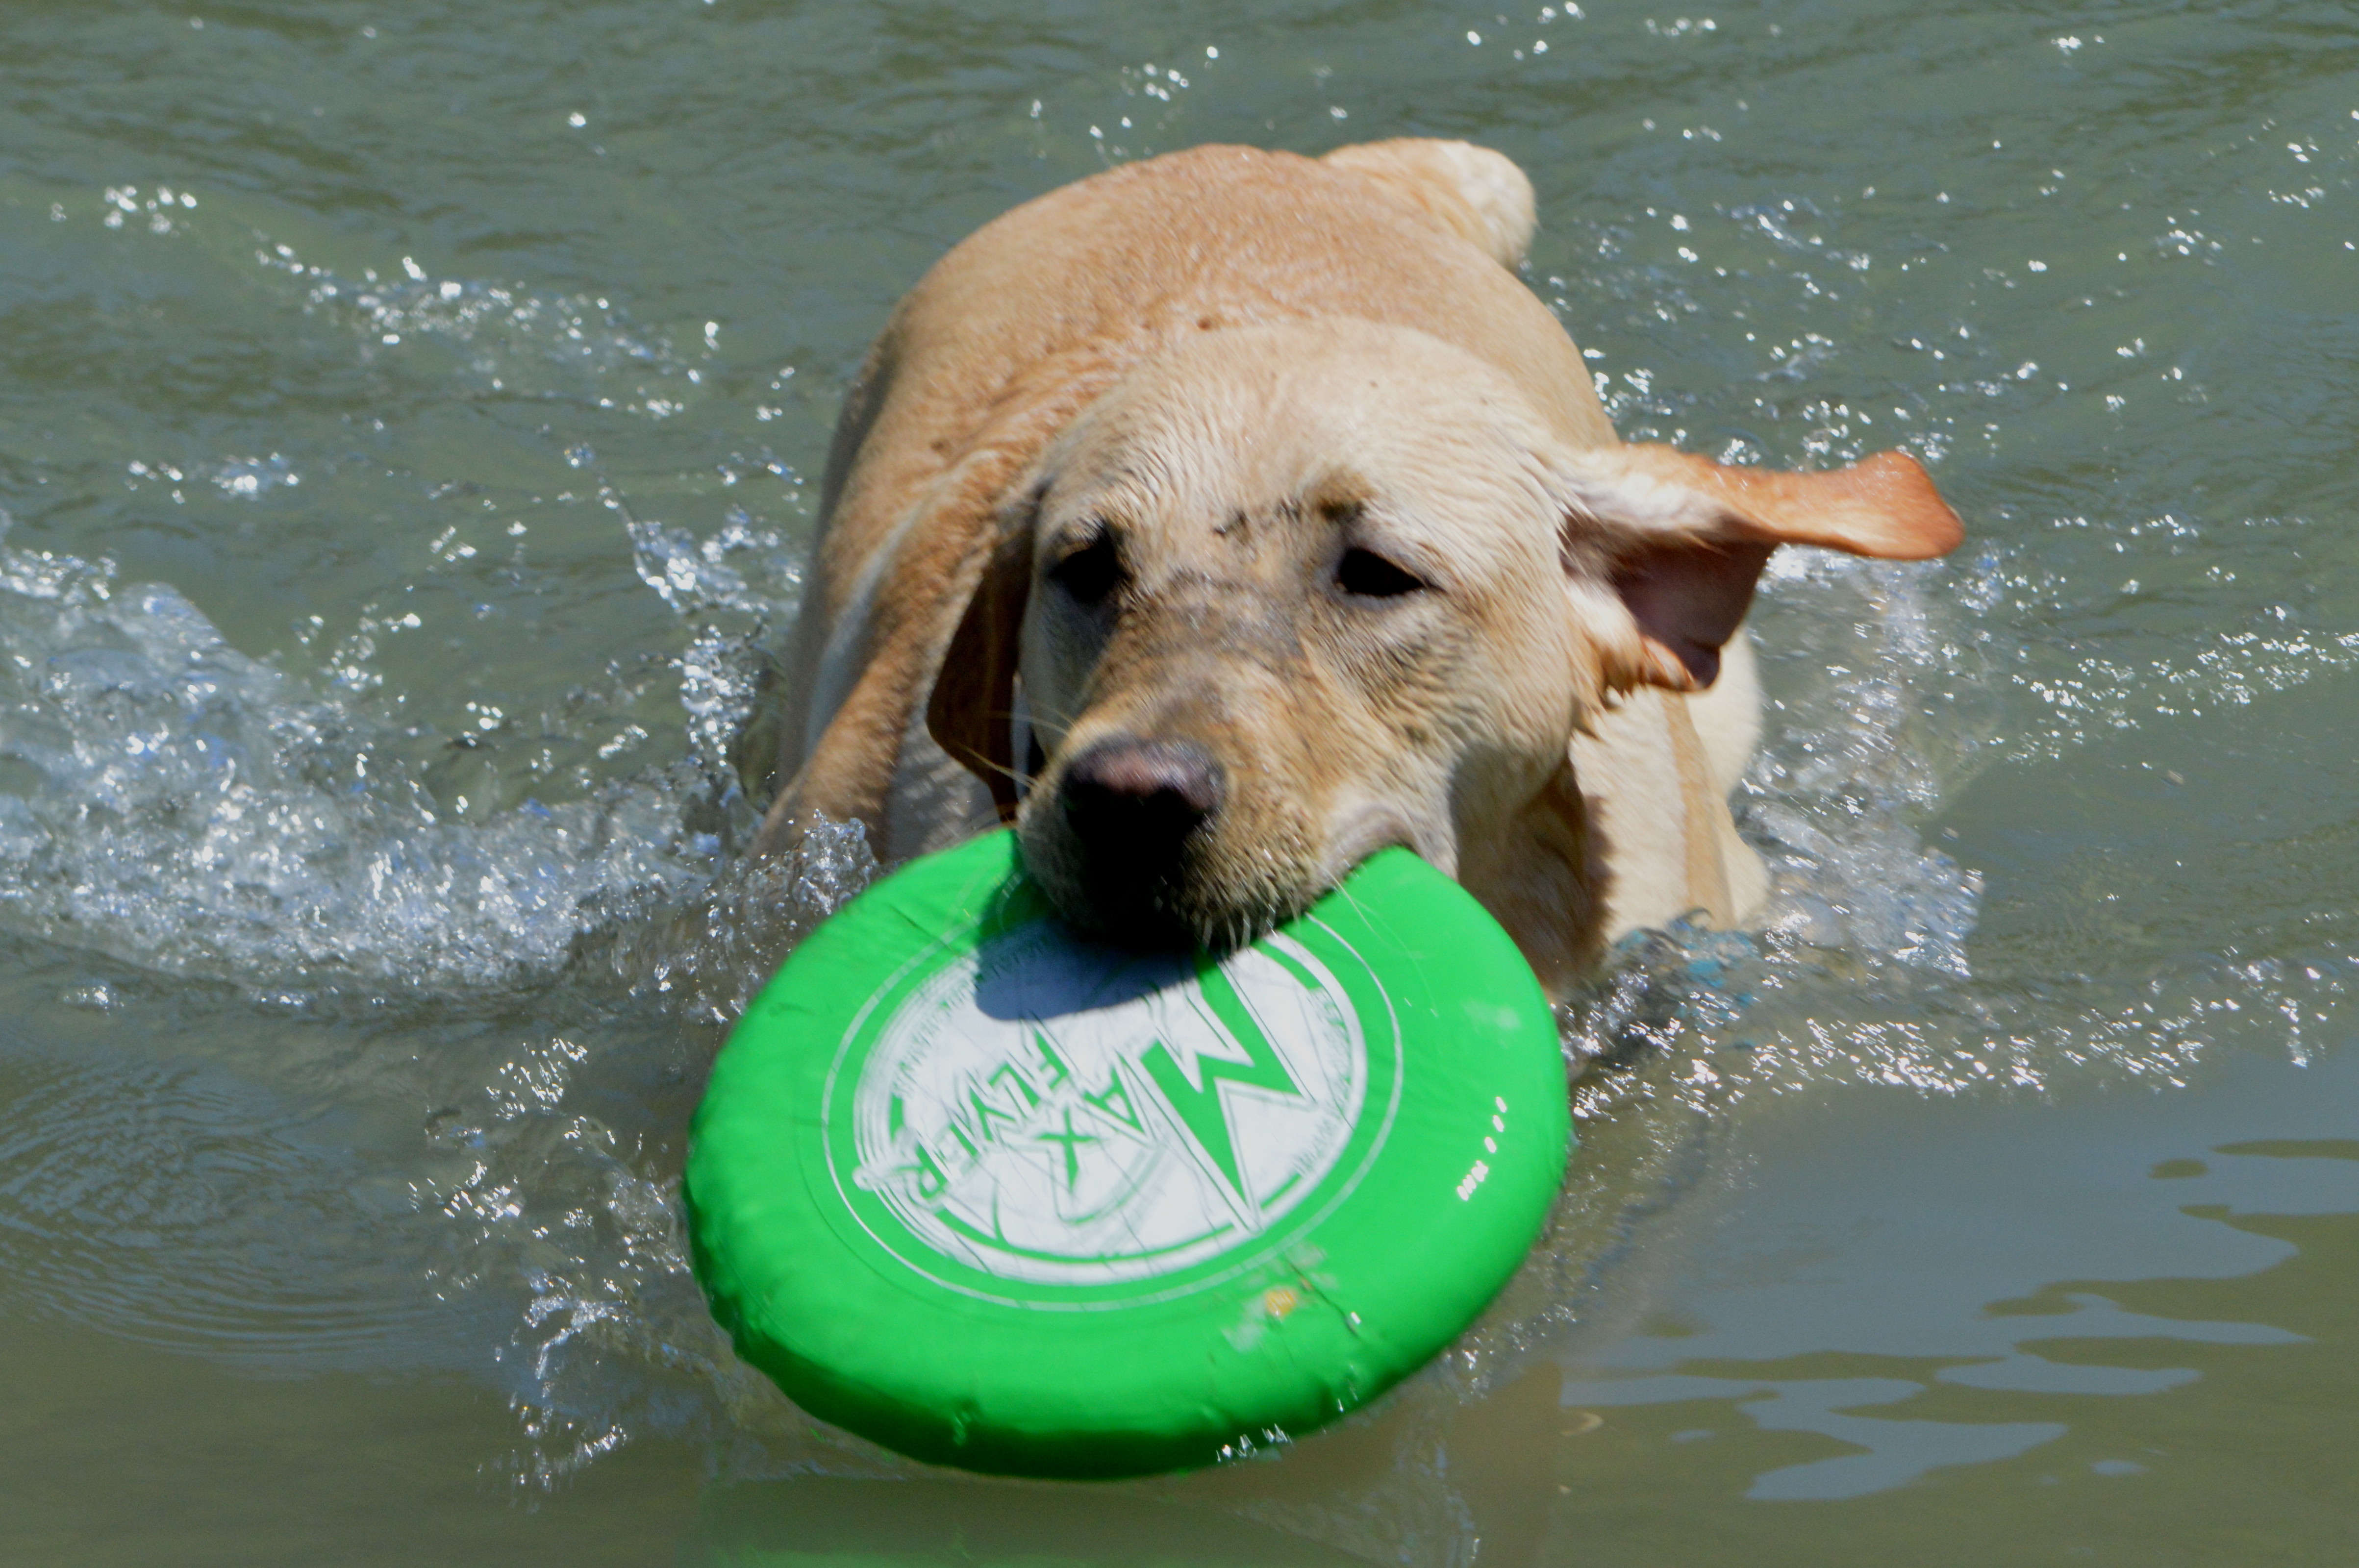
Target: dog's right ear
[972,714]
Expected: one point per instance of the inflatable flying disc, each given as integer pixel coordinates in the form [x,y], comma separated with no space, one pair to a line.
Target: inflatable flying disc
[1000,1197]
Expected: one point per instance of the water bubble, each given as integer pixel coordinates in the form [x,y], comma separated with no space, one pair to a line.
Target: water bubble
[189,808]
[247,478]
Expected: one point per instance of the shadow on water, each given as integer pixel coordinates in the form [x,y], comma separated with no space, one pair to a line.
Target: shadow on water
[822,1522]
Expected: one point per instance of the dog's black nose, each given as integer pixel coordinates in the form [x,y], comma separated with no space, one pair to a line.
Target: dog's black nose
[1140,800]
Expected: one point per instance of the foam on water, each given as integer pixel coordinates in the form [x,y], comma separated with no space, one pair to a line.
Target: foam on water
[181,804]
[510,339]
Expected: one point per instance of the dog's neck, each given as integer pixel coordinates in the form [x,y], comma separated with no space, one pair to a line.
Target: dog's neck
[1541,879]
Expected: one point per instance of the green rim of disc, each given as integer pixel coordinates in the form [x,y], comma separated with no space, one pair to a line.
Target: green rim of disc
[1000,1197]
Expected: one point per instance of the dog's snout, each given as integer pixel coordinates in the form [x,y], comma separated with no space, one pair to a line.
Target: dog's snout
[1130,796]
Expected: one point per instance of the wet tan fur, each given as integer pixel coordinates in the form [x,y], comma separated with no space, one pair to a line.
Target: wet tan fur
[1245,361]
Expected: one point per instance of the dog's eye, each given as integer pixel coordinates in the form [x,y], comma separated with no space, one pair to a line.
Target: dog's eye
[1369,575]
[1090,573]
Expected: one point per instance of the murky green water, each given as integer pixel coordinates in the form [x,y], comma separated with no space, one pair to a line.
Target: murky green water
[409,419]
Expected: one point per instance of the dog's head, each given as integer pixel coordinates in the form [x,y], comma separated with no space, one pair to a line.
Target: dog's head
[1288,595]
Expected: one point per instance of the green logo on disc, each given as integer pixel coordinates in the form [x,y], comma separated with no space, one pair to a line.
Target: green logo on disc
[1040,1112]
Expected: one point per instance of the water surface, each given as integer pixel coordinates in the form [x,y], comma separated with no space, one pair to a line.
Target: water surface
[410,425]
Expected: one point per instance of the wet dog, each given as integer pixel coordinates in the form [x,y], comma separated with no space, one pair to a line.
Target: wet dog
[1225,517]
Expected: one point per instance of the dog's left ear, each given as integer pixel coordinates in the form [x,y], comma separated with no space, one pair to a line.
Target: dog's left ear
[1674,544]
[972,714]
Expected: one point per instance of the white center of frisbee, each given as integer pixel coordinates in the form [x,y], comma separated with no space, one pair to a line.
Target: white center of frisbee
[1043,1110]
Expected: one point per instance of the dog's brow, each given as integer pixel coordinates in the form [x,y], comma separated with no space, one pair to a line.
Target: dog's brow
[1077,535]
[1340,497]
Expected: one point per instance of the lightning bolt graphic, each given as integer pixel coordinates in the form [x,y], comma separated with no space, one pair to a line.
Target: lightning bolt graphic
[1199,1105]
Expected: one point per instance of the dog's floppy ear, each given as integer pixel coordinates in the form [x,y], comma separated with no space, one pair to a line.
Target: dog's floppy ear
[1677,542]
[972,714]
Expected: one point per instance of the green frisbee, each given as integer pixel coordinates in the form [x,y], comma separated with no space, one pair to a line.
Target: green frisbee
[1000,1197]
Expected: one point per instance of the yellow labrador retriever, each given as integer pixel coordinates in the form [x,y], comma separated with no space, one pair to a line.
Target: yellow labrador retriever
[1223,518]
